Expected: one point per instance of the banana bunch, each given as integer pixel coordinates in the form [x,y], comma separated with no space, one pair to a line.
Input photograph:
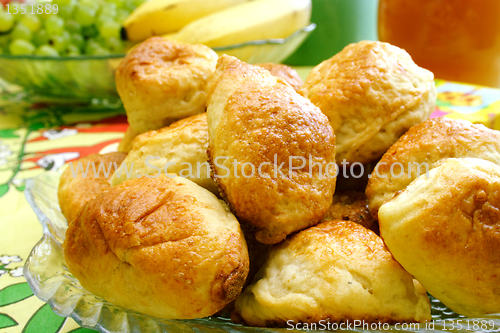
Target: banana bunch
[158,17]
[217,22]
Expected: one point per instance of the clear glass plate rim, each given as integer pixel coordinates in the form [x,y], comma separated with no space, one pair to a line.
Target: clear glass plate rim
[270,41]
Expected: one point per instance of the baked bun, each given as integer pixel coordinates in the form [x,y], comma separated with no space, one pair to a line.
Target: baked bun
[445,230]
[285,72]
[333,272]
[164,247]
[77,187]
[351,206]
[180,147]
[428,144]
[125,144]
[258,121]
[160,81]
[372,93]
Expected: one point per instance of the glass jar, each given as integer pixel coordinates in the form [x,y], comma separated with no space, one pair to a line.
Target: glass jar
[458,40]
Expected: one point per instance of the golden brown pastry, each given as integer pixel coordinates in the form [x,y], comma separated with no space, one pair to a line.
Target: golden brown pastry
[165,247]
[160,81]
[125,144]
[372,93]
[285,72]
[351,206]
[335,271]
[263,141]
[180,148]
[77,187]
[427,146]
[445,230]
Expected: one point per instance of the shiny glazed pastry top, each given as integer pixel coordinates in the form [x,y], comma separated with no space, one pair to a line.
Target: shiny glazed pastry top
[285,72]
[444,229]
[372,93]
[162,246]
[77,187]
[271,150]
[425,147]
[161,81]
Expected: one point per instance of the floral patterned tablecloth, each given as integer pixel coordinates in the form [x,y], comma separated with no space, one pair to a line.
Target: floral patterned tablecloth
[36,136]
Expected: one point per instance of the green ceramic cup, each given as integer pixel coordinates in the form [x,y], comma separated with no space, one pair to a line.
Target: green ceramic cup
[339,22]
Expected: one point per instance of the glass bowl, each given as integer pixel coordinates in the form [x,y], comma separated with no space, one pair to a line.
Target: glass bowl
[81,77]
[267,50]
[50,280]
[87,77]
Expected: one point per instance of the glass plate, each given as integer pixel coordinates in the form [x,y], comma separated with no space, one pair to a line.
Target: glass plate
[51,281]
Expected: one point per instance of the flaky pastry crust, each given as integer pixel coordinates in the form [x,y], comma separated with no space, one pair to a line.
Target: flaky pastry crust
[428,144]
[77,187]
[161,81]
[260,123]
[285,72]
[180,148]
[372,93]
[445,231]
[161,246]
[335,271]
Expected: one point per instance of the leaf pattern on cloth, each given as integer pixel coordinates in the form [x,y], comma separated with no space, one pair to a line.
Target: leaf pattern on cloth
[3,189]
[46,318]
[7,321]
[14,293]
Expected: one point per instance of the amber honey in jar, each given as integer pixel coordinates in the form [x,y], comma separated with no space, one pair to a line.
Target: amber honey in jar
[458,40]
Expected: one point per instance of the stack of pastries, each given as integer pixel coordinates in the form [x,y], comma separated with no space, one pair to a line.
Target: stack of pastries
[232,204]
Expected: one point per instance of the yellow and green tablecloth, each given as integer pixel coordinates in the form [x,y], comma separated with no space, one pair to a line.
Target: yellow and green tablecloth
[36,136]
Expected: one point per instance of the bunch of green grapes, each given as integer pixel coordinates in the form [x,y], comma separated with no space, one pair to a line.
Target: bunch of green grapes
[63,27]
